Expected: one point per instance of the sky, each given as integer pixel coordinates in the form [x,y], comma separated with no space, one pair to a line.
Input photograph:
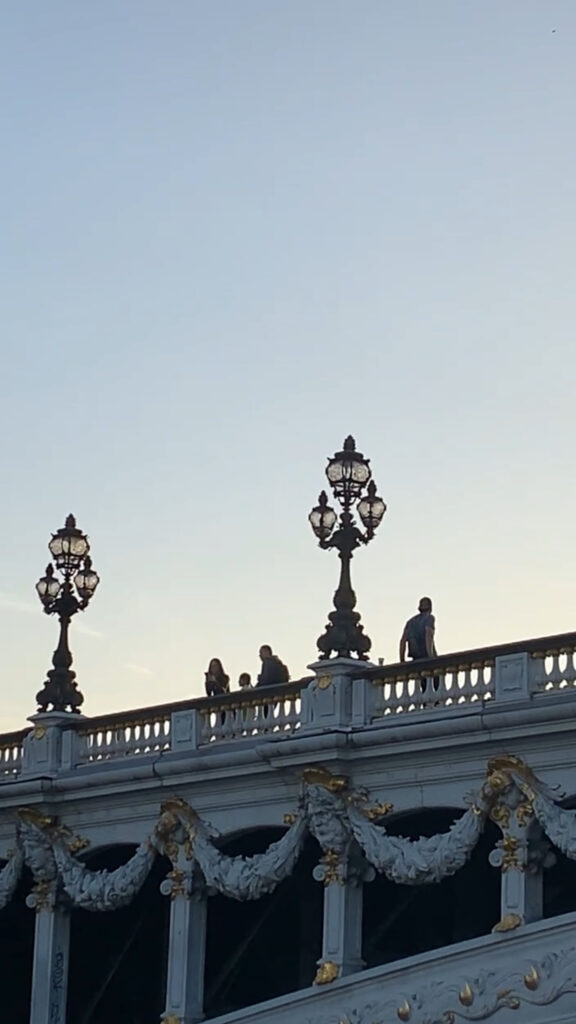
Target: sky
[235,231]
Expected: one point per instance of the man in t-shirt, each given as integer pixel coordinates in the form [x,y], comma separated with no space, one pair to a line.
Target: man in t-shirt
[418,633]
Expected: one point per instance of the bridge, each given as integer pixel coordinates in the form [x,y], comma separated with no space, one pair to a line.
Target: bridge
[365,845]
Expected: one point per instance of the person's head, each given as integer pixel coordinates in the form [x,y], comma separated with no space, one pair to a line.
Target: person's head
[244,680]
[215,667]
[425,605]
[265,652]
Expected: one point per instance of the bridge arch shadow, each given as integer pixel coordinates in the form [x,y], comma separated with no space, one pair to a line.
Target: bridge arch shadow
[404,920]
[118,959]
[260,949]
[17,949]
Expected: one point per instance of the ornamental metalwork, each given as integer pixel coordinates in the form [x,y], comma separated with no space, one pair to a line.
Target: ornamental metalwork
[350,478]
[64,597]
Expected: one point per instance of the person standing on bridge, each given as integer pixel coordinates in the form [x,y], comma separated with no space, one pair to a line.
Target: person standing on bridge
[216,681]
[418,634]
[274,672]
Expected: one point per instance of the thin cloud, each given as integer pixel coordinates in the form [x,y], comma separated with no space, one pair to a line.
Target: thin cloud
[14,604]
[86,630]
[139,670]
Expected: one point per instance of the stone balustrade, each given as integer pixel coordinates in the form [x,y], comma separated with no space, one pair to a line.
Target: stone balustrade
[504,672]
[11,745]
[341,694]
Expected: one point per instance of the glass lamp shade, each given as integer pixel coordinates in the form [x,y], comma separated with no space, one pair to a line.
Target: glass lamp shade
[348,472]
[48,587]
[86,580]
[371,509]
[69,546]
[322,518]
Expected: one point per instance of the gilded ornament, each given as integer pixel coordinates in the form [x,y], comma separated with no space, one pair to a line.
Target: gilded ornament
[34,817]
[404,1011]
[532,979]
[179,808]
[466,995]
[508,923]
[324,778]
[165,827]
[324,682]
[506,763]
[500,814]
[178,885]
[39,732]
[290,818]
[171,1020]
[510,858]
[513,1003]
[524,812]
[43,895]
[376,811]
[498,781]
[326,973]
[77,844]
[333,874]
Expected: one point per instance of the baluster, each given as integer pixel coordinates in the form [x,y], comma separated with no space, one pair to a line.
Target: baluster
[466,690]
[488,680]
[570,668]
[555,675]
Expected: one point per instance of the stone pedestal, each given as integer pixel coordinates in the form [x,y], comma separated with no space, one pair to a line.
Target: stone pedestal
[51,955]
[52,745]
[335,700]
[187,946]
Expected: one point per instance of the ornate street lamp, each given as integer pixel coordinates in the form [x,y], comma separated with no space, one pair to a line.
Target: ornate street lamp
[349,476]
[69,548]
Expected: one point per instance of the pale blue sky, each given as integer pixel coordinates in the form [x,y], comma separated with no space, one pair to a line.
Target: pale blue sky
[234,231]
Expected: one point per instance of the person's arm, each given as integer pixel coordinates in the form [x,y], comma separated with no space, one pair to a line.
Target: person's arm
[429,635]
[403,642]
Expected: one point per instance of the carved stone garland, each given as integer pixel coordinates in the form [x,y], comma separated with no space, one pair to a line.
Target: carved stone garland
[333,812]
[10,876]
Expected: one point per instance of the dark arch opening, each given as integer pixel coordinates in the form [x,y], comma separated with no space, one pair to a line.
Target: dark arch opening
[16,954]
[118,959]
[403,920]
[263,948]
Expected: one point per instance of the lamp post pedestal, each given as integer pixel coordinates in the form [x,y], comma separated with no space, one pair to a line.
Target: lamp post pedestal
[51,745]
[337,700]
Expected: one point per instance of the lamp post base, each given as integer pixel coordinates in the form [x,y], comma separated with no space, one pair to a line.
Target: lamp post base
[345,636]
[61,691]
